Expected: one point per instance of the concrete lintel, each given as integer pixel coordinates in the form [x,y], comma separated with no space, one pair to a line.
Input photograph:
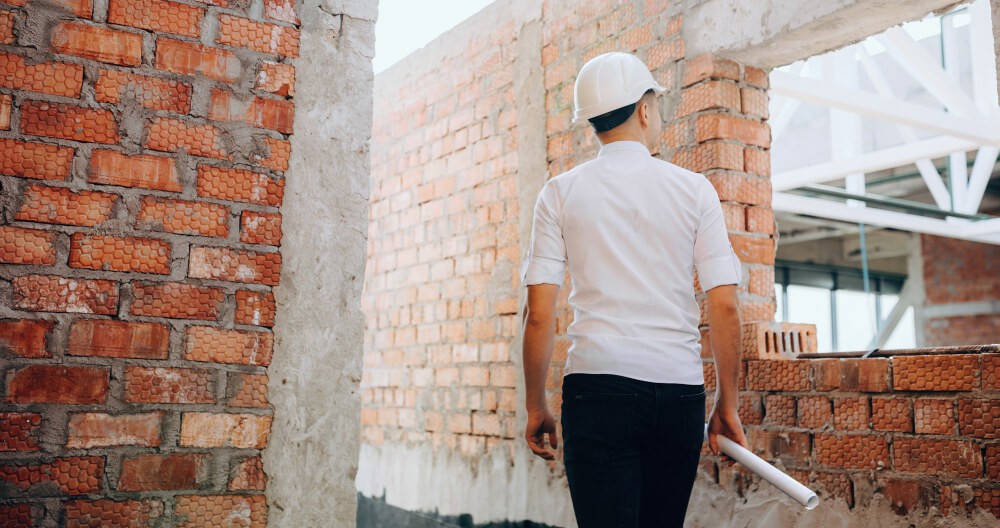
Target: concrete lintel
[962,309]
[771,33]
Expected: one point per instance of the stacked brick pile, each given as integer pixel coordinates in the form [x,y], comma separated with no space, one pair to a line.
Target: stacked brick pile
[142,151]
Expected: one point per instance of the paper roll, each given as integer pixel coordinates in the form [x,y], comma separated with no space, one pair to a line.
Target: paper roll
[775,476]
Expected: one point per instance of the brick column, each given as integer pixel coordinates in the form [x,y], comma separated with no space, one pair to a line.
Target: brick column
[143,146]
[962,292]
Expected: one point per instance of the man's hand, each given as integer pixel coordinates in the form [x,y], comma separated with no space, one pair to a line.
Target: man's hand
[726,423]
[541,423]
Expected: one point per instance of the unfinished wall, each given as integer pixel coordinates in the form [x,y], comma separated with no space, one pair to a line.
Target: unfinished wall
[442,339]
[143,152]
[962,285]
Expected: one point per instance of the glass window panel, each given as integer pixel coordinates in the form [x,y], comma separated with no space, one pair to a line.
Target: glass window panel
[905,334]
[778,312]
[855,320]
[807,304]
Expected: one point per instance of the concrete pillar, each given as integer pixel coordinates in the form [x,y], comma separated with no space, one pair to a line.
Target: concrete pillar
[996,36]
[312,458]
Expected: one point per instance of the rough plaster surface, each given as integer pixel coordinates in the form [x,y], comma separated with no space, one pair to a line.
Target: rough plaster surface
[769,33]
[319,330]
[763,506]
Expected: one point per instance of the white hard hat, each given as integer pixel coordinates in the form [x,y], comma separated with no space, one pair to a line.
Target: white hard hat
[608,82]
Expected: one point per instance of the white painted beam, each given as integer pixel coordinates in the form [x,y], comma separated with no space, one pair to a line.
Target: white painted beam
[870,162]
[982,169]
[892,110]
[922,67]
[984,72]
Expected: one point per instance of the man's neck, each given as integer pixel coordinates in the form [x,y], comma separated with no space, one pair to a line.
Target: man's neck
[614,135]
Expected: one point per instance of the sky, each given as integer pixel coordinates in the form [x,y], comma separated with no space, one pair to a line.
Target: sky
[405,26]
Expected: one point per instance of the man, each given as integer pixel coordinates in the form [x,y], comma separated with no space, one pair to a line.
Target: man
[632,229]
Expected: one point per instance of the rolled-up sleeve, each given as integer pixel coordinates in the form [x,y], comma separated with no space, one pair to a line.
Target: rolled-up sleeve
[546,260]
[714,258]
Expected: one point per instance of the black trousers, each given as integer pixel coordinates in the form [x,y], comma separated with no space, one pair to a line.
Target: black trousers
[631,449]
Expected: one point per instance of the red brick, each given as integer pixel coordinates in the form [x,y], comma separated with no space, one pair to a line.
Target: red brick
[976,262]
[177,300]
[57,384]
[97,43]
[283,10]
[197,511]
[278,152]
[720,126]
[67,475]
[953,458]
[958,372]
[248,474]
[780,410]
[757,162]
[184,217]
[664,53]
[892,414]
[760,220]
[932,416]
[19,431]
[89,430]
[119,339]
[27,246]
[850,414]
[979,418]
[255,308]
[151,172]
[162,472]
[755,103]
[711,155]
[174,135]
[246,431]
[708,96]
[59,205]
[169,385]
[64,121]
[260,228]
[115,86]
[235,265]
[756,77]
[991,371]
[274,114]
[34,160]
[43,293]
[907,495]
[739,187]
[157,15]
[258,36]
[56,78]
[24,337]
[851,451]
[708,66]
[7,27]
[861,375]
[194,59]
[206,343]
[991,457]
[112,514]
[17,516]
[814,412]
[6,102]
[277,78]
[753,249]
[791,448]
[239,185]
[129,254]
[247,390]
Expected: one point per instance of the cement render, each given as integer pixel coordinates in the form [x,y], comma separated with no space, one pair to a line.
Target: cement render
[771,33]
[312,457]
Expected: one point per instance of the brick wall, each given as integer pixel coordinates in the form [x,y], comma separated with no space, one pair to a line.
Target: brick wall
[441,291]
[919,430]
[142,151]
[962,292]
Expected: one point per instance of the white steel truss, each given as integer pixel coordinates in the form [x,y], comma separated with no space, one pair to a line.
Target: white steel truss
[962,122]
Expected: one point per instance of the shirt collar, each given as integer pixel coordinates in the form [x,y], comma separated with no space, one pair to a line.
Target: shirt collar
[623,146]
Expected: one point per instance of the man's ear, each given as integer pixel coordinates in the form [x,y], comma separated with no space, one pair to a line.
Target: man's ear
[644,112]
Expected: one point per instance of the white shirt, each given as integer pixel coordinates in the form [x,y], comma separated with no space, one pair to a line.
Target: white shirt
[632,229]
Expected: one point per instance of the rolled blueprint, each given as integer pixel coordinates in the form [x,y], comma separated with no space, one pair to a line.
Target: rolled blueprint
[782,481]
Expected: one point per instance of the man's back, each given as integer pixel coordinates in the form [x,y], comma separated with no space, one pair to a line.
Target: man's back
[630,225]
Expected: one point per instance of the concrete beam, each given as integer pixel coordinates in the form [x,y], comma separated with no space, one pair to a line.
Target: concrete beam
[770,33]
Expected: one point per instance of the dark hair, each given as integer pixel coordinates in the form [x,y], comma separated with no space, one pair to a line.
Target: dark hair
[609,120]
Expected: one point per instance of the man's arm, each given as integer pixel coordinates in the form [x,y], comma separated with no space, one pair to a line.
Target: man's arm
[539,332]
[724,330]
